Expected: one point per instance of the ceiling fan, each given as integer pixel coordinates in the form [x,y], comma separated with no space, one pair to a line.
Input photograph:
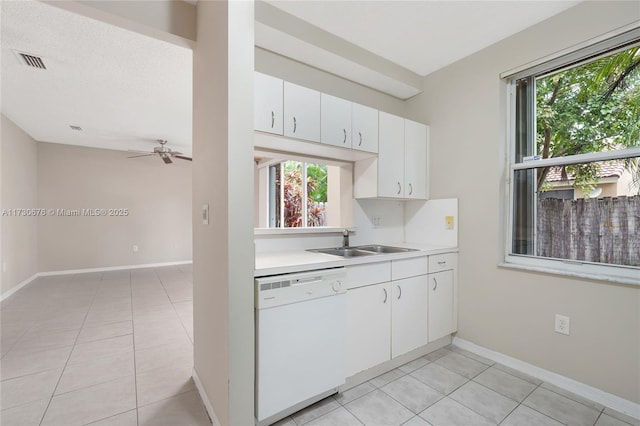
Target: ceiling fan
[165,153]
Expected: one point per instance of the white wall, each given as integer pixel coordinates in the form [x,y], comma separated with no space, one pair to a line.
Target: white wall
[506,310]
[19,190]
[223,261]
[158,197]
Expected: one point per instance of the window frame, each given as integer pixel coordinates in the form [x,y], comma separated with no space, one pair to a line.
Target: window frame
[584,269]
[271,197]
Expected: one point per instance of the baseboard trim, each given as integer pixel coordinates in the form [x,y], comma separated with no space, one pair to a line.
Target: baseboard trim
[14,289]
[205,400]
[113,268]
[17,287]
[607,399]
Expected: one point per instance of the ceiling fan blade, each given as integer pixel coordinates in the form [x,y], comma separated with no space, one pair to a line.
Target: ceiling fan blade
[141,155]
[135,151]
[166,159]
[183,157]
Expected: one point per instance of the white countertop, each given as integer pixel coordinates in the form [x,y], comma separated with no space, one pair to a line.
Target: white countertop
[285,262]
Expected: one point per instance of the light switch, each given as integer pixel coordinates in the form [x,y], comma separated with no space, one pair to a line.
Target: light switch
[448,221]
[205,214]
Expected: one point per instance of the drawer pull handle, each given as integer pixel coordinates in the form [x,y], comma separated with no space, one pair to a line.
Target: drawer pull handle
[273,119]
[442,262]
[295,124]
[399,188]
[385,295]
[410,189]
[360,133]
[345,135]
[436,283]
[399,292]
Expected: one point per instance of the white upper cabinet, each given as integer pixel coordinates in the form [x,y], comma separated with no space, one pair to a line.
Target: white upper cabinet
[415,160]
[267,113]
[335,118]
[400,170]
[364,128]
[301,112]
[390,156]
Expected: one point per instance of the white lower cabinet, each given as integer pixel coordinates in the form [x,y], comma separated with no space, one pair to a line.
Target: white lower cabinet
[398,306]
[408,314]
[368,327]
[440,304]
[442,295]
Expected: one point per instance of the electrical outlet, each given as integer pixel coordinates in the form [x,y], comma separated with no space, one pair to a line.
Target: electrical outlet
[448,222]
[135,248]
[563,324]
[376,220]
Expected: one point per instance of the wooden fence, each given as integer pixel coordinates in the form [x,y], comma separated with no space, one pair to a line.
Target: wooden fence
[605,230]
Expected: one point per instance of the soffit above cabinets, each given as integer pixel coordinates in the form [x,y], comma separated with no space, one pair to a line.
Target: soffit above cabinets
[390,45]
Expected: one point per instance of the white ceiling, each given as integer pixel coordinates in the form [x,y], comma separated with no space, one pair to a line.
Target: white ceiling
[124,89]
[420,36]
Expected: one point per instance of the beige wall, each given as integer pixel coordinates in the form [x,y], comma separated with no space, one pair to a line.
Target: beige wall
[158,197]
[223,261]
[19,190]
[506,310]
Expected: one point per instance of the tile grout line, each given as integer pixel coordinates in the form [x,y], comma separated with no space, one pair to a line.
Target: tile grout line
[519,403]
[44,413]
[133,337]
[598,418]
[173,306]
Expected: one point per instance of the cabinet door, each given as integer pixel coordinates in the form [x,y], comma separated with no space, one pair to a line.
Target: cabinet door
[368,327]
[390,156]
[415,160]
[335,120]
[408,314]
[364,122]
[267,104]
[441,308]
[301,112]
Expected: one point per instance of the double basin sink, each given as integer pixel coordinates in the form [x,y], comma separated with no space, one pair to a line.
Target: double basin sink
[368,250]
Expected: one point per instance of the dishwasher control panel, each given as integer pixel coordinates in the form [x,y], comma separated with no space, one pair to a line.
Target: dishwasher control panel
[291,288]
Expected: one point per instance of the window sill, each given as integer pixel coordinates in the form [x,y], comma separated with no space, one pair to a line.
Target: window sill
[589,276]
[297,231]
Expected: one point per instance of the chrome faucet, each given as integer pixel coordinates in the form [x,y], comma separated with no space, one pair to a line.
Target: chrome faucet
[345,238]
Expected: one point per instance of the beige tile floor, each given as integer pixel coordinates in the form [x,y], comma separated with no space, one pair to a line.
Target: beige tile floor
[113,348]
[116,348]
[451,387]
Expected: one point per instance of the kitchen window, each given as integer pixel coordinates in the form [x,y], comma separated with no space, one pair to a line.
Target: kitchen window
[297,194]
[294,192]
[574,167]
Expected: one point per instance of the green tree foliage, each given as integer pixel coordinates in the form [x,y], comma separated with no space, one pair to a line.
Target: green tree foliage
[293,194]
[590,108]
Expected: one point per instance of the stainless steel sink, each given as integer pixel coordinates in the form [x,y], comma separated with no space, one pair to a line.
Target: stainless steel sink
[367,250]
[384,249]
[344,251]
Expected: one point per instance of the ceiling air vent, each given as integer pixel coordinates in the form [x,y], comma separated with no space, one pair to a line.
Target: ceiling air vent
[30,60]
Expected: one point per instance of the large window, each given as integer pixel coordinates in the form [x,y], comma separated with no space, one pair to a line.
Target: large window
[574,173]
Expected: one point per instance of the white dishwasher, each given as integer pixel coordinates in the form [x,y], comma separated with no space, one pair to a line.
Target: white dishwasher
[300,341]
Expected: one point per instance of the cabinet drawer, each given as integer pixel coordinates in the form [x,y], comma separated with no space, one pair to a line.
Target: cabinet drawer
[442,262]
[406,268]
[370,273]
